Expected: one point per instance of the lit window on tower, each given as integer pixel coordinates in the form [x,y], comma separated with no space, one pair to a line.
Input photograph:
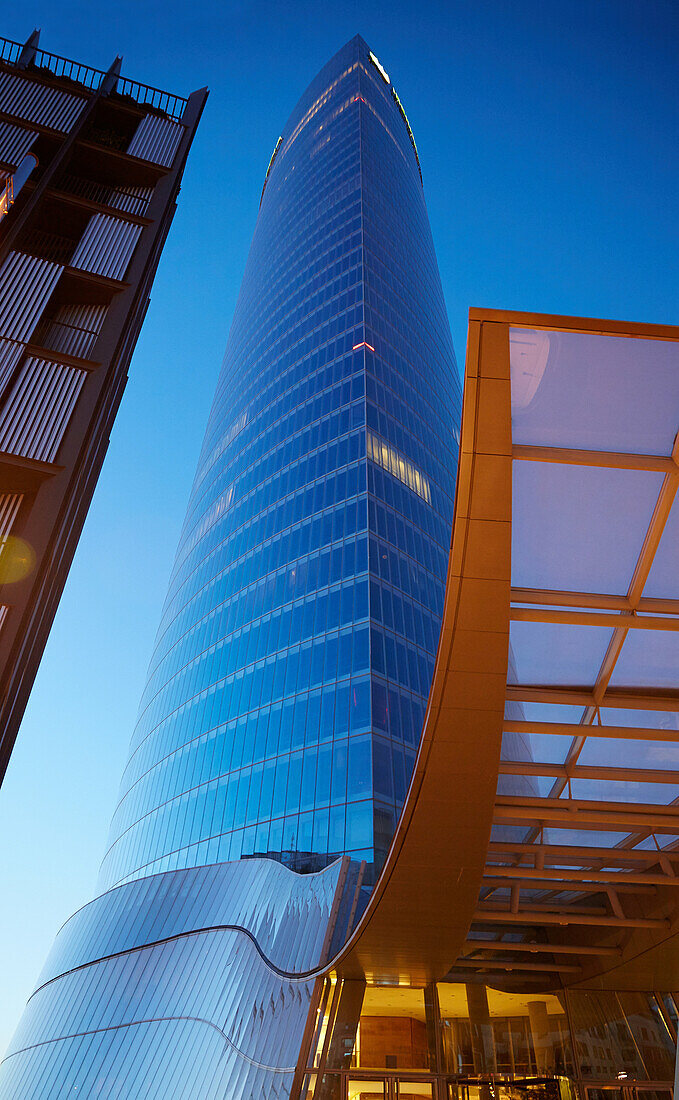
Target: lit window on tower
[395,464]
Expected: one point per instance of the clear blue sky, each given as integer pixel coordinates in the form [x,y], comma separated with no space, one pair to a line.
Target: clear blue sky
[547,133]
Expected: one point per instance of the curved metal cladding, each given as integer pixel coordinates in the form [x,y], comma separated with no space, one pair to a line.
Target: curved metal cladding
[185,984]
[287,688]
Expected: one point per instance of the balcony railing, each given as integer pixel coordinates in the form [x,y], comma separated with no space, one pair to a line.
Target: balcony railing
[10,51]
[115,197]
[86,77]
[65,69]
[59,336]
[48,246]
[163,102]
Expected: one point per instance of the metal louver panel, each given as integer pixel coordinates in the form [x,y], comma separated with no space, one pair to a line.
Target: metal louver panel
[156,139]
[38,409]
[106,246]
[24,98]
[14,143]
[74,329]
[26,283]
[10,354]
[9,508]
[134,200]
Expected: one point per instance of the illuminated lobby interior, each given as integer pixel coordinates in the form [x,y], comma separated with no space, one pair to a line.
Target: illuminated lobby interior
[478,1042]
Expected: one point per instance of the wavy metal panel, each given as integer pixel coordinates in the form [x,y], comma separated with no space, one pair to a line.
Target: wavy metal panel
[74,329]
[26,284]
[38,409]
[106,246]
[274,904]
[156,139]
[202,1015]
[35,102]
[135,200]
[15,142]
[190,963]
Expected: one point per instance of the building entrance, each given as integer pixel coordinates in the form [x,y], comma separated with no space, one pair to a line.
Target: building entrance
[458,1041]
[357,1085]
[530,1088]
[388,1087]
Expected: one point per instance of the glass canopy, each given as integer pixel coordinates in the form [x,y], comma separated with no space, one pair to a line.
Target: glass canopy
[585,835]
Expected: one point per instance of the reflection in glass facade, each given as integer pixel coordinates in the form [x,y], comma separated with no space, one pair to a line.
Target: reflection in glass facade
[288,684]
[286,692]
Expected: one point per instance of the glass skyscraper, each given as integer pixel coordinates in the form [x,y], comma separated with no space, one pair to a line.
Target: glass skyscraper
[287,689]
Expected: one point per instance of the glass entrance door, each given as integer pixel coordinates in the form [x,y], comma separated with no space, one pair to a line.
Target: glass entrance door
[530,1088]
[363,1088]
[390,1088]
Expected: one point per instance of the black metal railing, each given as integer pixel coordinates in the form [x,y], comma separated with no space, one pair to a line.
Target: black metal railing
[163,102]
[115,197]
[60,336]
[10,51]
[85,76]
[65,69]
[48,246]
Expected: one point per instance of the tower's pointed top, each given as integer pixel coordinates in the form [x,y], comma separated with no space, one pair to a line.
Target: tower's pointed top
[351,52]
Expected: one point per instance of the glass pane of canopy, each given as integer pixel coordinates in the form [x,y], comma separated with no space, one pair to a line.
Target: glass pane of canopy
[550,712]
[579,528]
[615,790]
[644,719]
[594,392]
[652,755]
[649,658]
[663,579]
[540,748]
[553,653]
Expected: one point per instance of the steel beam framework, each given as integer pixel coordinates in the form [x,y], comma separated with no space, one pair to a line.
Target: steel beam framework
[540,870]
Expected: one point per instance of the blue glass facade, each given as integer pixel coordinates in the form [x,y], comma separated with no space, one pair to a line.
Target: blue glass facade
[287,689]
[288,684]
